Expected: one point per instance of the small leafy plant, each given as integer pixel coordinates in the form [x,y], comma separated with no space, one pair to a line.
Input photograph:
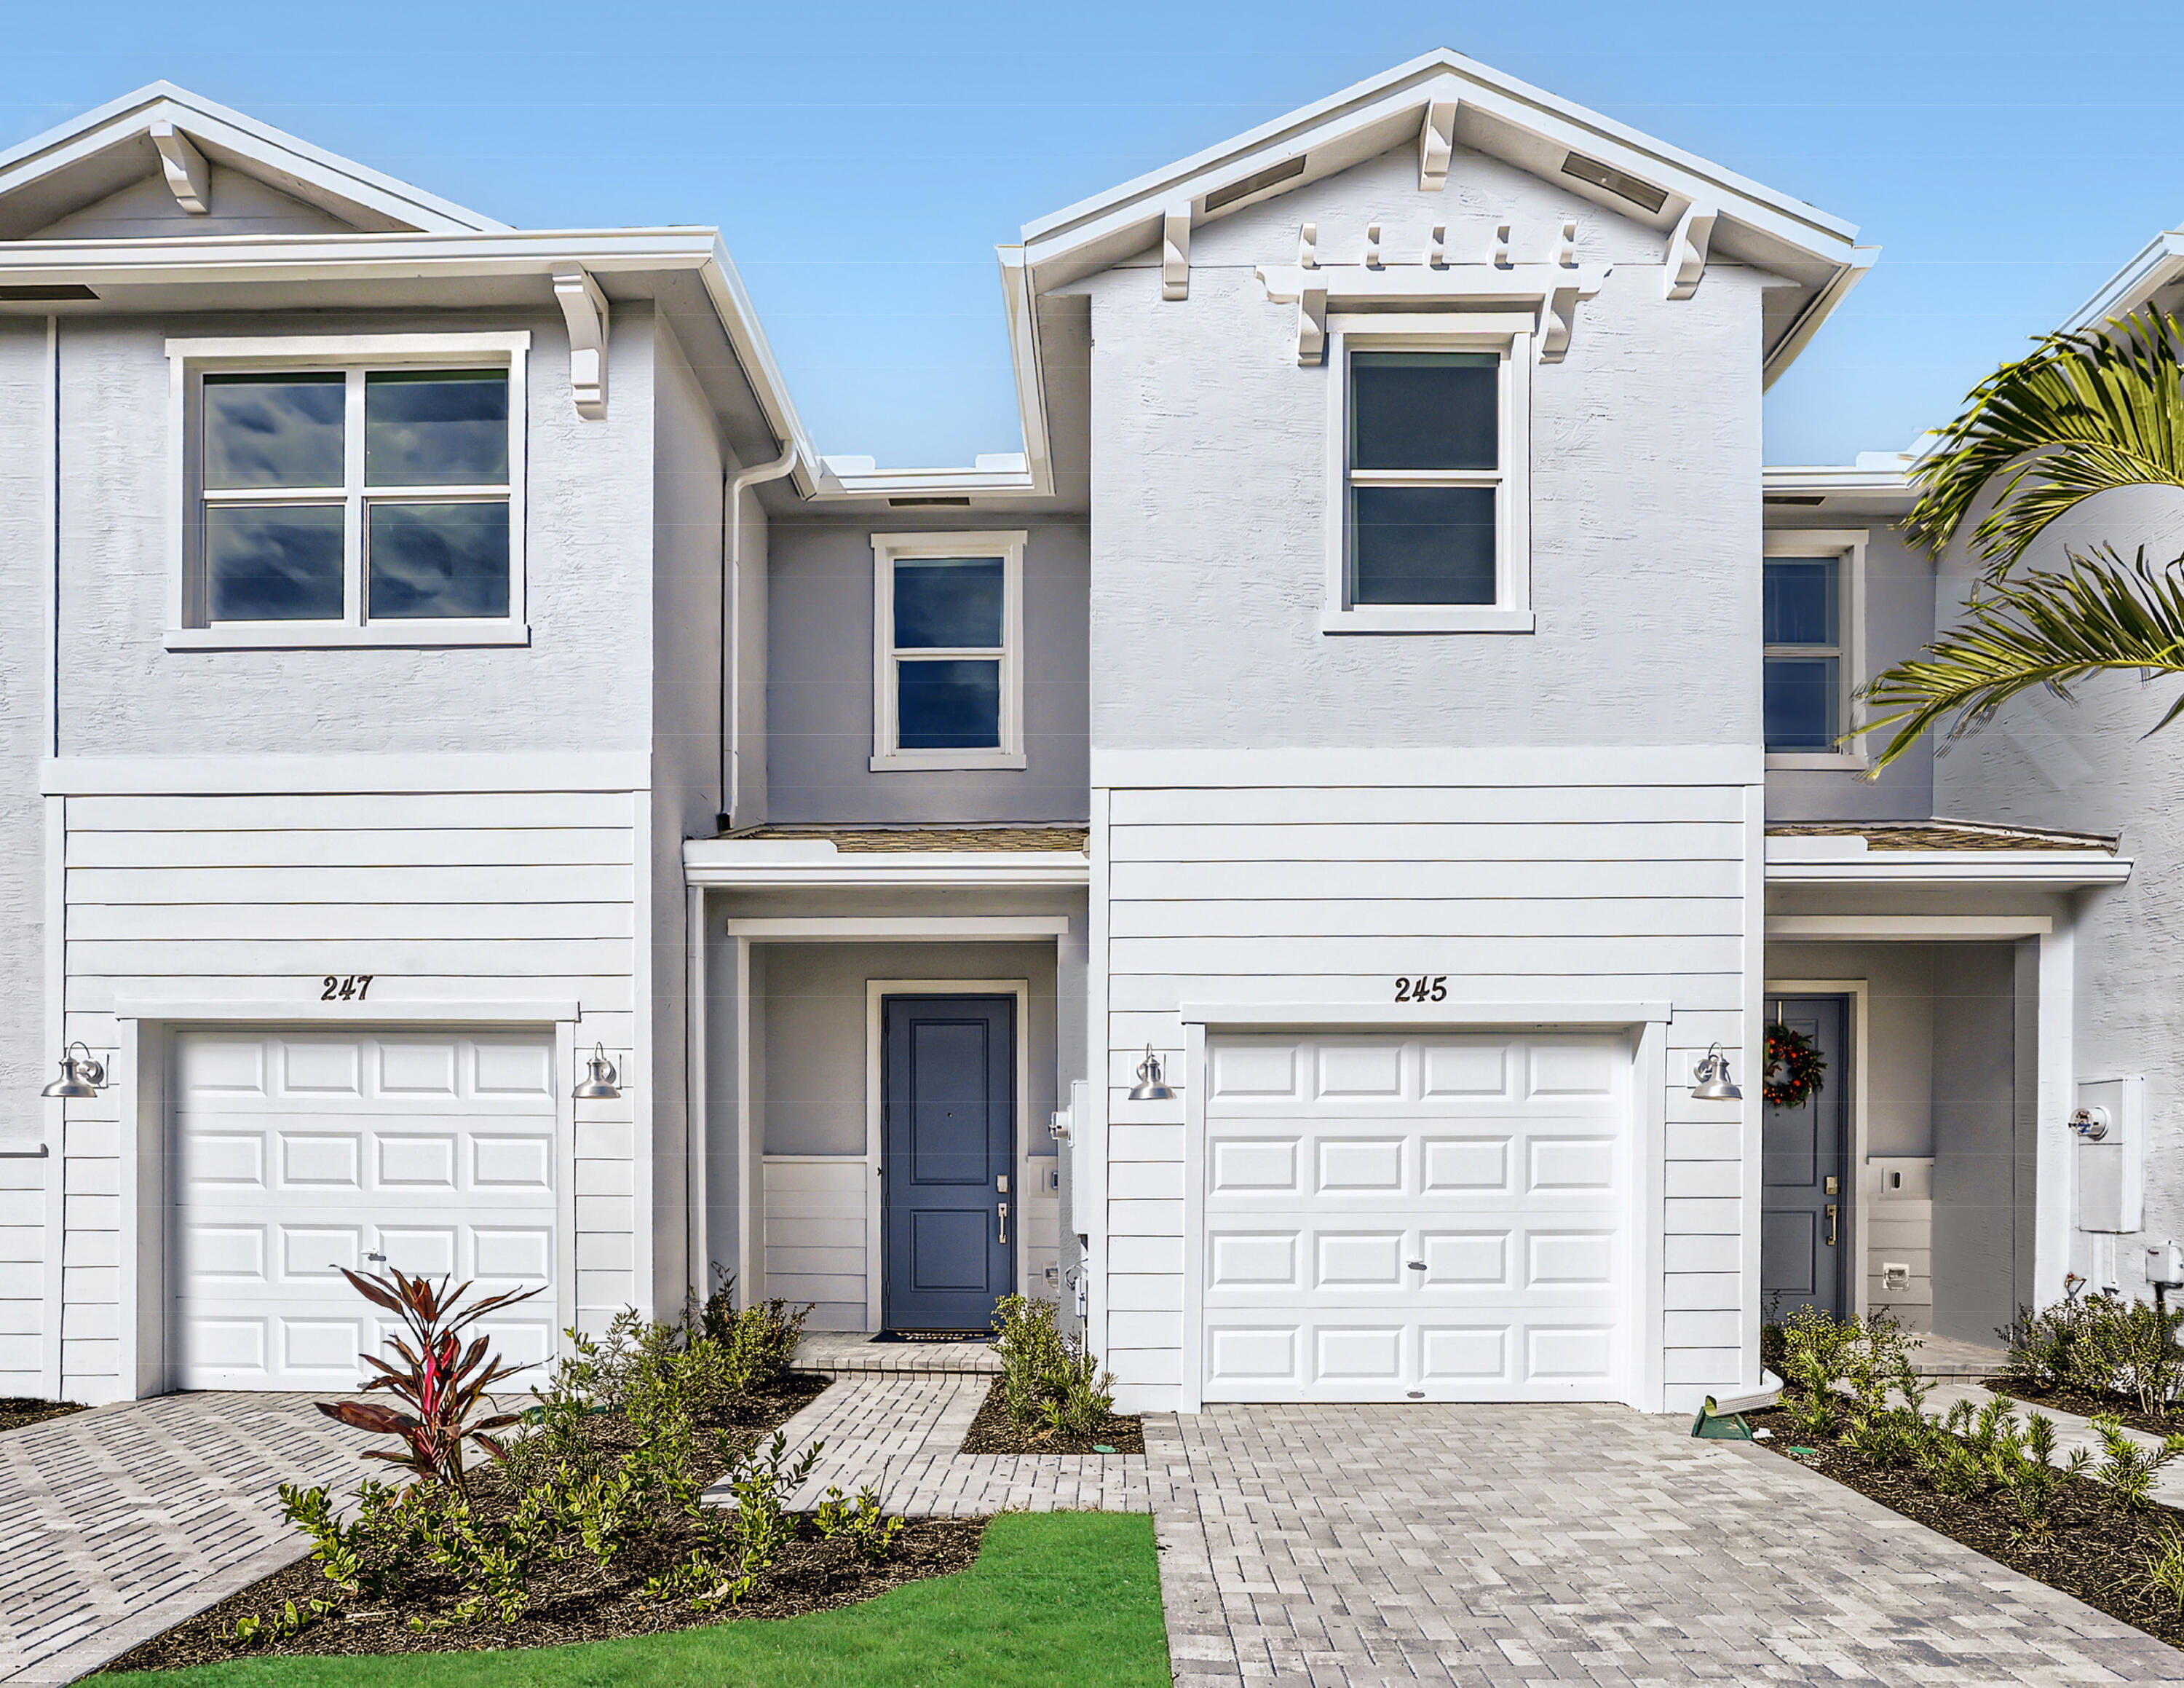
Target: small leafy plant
[2164,1566]
[440,1381]
[2100,1345]
[2128,1468]
[863,1524]
[1051,1383]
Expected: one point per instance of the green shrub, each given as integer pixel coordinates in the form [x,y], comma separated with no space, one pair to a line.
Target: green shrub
[2098,1345]
[1847,1372]
[2164,1566]
[2128,1467]
[1051,1383]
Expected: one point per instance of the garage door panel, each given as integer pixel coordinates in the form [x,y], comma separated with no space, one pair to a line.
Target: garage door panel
[1460,1231]
[299,1155]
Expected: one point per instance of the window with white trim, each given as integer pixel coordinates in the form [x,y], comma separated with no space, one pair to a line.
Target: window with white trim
[333,495]
[1812,590]
[1429,480]
[948,650]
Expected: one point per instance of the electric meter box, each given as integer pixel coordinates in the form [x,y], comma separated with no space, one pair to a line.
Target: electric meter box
[2111,1166]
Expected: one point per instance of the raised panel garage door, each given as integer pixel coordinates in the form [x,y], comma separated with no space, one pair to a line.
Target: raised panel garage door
[1391,1217]
[298,1153]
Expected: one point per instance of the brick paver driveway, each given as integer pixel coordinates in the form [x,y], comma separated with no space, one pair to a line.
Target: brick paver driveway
[1548,1544]
[116,1523]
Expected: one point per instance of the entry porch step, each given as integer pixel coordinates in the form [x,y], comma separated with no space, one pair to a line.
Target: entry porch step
[845,1354]
[1952,1358]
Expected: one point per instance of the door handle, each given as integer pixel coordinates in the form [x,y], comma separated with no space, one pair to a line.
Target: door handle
[1004,1237]
[1833,1211]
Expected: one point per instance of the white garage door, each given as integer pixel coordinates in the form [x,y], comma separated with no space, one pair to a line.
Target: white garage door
[301,1152]
[1442,1217]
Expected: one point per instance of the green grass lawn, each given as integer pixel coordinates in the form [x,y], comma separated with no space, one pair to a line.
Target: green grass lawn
[1055,1598]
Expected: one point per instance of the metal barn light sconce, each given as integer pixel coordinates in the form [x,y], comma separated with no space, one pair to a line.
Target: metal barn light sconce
[1714,1084]
[603,1085]
[1151,1085]
[81,1077]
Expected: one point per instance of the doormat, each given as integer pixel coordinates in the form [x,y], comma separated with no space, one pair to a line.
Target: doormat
[935,1336]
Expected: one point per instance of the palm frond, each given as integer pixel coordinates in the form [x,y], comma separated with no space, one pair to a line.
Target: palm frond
[2082,414]
[2051,628]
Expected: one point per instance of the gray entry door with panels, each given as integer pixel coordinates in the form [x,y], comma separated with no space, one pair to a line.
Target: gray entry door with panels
[948,1137]
[1805,1176]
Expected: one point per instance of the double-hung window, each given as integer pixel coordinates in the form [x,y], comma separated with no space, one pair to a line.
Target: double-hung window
[336,497]
[1809,620]
[1433,528]
[948,650]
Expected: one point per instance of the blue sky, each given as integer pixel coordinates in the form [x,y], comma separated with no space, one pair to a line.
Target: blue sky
[863,161]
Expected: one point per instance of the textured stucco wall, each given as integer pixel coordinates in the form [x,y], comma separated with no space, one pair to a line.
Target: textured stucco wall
[26,581]
[2089,766]
[584,681]
[1209,499]
[819,687]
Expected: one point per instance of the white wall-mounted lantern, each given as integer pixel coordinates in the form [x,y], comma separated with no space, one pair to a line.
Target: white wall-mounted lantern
[81,1078]
[601,1085]
[1153,1084]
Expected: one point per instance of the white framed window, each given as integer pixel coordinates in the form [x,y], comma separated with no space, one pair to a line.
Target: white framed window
[1813,620]
[947,651]
[1429,453]
[353,489]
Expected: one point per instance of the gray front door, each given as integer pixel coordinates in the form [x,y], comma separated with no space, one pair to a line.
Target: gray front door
[1805,1176]
[947,1135]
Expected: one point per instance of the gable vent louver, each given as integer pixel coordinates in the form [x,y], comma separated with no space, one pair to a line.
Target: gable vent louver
[1621,183]
[1257,183]
[45,293]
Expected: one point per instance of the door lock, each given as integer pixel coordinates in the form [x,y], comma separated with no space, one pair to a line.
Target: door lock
[1834,1185]
[1833,1212]
[1004,1237]
[1001,1182]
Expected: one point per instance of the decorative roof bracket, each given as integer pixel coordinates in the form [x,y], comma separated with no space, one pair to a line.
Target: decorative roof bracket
[189,178]
[1683,265]
[1552,291]
[1436,145]
[584,308]
[1175,252]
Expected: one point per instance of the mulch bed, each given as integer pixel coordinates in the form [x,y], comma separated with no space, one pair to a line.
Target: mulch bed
[18,1411]
[2123,1407]
[991,1433]
[572,1600]
[2094,1551]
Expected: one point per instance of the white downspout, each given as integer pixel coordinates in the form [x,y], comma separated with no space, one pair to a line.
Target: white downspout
[731,630]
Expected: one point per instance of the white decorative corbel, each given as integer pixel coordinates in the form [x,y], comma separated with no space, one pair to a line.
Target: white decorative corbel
[1559,316]
[1436,143]
[1372,246]
[1175,252]
[1566,255]
[1308,247]
[189,178]
[584,308]
[1312,325]
[1502,258]
[1683,265]
[1437,248]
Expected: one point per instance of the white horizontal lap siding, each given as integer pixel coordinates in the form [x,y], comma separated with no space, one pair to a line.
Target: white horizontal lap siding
[1534,893]
[818,1222]
[445,898]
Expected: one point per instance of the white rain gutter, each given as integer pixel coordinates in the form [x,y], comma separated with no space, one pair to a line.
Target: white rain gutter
[731,710]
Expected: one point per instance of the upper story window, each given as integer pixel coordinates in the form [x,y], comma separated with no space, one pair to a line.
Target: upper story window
[366,491]
[1809,614]
[948,650]
[1430,458]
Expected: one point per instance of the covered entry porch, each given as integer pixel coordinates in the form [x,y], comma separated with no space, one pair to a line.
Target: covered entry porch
[1935,1176]
[886,1020]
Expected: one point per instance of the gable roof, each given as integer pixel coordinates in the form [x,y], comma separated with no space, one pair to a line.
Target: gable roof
[1504,118]
[106,150]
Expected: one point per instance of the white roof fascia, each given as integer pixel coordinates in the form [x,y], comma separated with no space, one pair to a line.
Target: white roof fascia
[1821,307]
[317,175]
[1940,869]
[1053,240]
[2157,263]
[1837,478]
[246,258]
[781,864]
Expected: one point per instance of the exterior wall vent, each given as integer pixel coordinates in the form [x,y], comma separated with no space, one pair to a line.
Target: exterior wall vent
[1620,183]
[927,503]
[1257,183]
[45,293]
[1794,498]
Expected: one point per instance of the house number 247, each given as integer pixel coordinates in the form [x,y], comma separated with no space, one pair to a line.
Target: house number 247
[1422,989]
[344,990]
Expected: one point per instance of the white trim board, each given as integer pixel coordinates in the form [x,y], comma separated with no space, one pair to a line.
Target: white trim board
[487,1011]
[1337,766]
[897,928]
[875,991]
[2047,869]
[134,776]
[1397,1016]
[722,863]
[1907,927]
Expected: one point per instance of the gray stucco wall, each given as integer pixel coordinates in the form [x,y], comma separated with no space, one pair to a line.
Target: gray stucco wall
[583,682]
[2091,766]
[1899,621]
[1900,981]
[1977,1170]
[815,1034]
[819,686]
[1209,479]
[686,758]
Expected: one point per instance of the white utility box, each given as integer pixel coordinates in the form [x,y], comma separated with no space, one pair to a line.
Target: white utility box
[2110,1128]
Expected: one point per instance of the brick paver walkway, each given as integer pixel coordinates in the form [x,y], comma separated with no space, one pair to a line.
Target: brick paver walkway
[117,1523]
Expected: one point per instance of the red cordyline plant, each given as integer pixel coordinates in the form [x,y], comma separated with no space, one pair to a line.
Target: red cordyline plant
[439,1380]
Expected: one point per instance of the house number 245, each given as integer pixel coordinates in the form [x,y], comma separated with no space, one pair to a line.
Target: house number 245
[344,990]
[1422,989]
